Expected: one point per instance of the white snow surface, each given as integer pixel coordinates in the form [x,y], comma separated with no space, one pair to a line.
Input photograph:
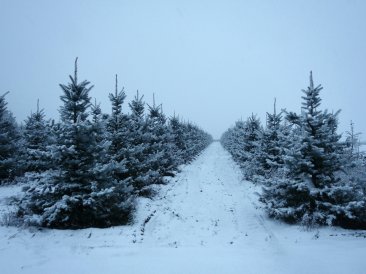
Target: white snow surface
[206,220]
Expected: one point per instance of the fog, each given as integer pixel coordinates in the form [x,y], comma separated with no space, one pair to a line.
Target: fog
[211,62]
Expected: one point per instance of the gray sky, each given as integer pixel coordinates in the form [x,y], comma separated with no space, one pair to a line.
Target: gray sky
[212,62]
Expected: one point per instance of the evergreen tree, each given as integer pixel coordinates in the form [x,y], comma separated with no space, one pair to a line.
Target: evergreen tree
[251,150]
[137,107]
[319,146]
[161,143]
[36,136]
[99,131]
[233,141]
[196,140]
[310,176]
[138,147]
[76,146]
[76,99]
[312,162]
[99,162]
[96,112]
[176,130]
[352,142]
[117,121]
[273,144]
[83,194]
[118,134]
[9,138]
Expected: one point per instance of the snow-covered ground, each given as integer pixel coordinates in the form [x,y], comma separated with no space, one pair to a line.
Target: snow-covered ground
[207,220]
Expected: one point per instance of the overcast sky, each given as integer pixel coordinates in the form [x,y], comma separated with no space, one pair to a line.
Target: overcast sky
[212,62]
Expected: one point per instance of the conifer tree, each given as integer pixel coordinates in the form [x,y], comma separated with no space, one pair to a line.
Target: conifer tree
[252,134]
[9,138]
[233,141]
[138,146]
[177,133]
[96,112]
[36,136]
[352,142]
[98,124]
[320,142]
[76,99]
[117,121]
[312,162]
[76,152]
[137,107]
[271,156]
[84,193]
[118,134]
[251,150]
[196,140]
[161,142]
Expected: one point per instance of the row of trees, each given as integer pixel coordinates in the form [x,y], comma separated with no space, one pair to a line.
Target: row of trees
[87,169]
[309,175]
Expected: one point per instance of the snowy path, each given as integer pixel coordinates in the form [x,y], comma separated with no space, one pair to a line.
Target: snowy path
[208,205]
[206,220]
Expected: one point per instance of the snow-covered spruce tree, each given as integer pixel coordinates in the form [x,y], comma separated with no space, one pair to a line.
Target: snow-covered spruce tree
[9,138]
[195,139]
[233,141]
[99,131]
[161,157]
[149,156]
[83,194]
[252,136]
[205,139]
[188,140]
[118,126]
[117,120]
[37,140]
[320,142]
[137,147]
[243,141]
[311,192]
[178,148]
[352,143]
[272,145]
[96,112]
[353,178]
[150,146]
[116,199]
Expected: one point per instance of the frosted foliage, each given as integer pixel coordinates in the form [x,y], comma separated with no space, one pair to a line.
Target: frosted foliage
[9,143]
[309,176]
[89,168]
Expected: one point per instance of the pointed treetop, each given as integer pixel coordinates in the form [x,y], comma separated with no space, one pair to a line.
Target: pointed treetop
[96,111]
[274,106]
[75,98]
[116,85]
[3,103]
[311,80]
[37,105]
[76,70]
[138,98]
[137,106]
[6,93]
